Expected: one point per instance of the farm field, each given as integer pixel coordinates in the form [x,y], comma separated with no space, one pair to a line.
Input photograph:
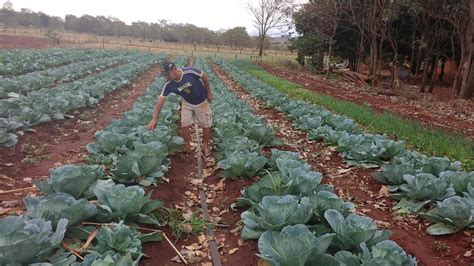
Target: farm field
[289,181]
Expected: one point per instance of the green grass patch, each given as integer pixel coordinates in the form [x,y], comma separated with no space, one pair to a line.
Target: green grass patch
[428,140]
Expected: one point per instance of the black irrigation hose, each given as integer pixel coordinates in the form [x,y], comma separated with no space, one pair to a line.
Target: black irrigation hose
[202,196]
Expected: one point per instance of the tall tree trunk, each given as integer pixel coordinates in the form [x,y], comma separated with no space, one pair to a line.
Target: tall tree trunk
[433,76]
[360,51]
[373,43]
[464,54]
[419,60]
[442,70]
[260,45]
[328,70]
[373,59]
[467,86]
[470,87]
[413,52]
[396,80]
[334,29]
[426,70]
[379,55]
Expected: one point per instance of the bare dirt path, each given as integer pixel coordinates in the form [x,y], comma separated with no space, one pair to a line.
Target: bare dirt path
[437,109]
[357,185]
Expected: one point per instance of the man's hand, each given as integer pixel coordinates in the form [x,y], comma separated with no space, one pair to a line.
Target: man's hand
[152,124]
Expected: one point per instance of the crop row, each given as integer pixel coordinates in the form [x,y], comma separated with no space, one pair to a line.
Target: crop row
[45,105]
[413,178]
[296,219]
[48,78]
[79,198]
[20,61]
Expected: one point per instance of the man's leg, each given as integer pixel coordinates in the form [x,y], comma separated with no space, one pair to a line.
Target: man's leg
[207,134]
[187,119]
[204,119]
[187,138]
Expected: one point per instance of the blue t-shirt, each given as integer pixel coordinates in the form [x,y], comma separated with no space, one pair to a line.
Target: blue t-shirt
[189,87]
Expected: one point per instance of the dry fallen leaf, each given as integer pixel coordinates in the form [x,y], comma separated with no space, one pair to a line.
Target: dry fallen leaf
[236,230]
[343,171]
[383,192]
[193,247]
[383,224]
[4,210]
[201,239]
[468,253]
[232,251]
[221,184]
[196,181]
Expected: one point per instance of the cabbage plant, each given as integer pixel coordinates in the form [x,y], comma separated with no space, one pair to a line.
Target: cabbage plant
[274,213]
[25,241]
[353,230]
[294,245]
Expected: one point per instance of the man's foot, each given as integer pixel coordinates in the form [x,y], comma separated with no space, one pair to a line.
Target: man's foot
[207,151]
[187,150]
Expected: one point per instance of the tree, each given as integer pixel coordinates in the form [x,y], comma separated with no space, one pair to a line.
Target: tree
[467,87]
[7,15]
[8,5]
[268,15]
[326,16]
[457,13]
[236,37]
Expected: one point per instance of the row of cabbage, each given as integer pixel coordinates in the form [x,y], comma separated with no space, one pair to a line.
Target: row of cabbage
[45,105]
[22,84]
[296,219]
[239,134]
[20,61]
[413,178]
[74,194]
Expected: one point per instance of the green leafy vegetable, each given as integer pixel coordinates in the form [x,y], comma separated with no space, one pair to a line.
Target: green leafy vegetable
[294,245]
[71,179]
[55,207]
[450,216]
[354,230]
[274,213]
[25,241]
[126,203]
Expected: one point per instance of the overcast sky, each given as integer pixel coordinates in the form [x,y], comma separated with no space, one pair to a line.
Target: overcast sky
[212,14]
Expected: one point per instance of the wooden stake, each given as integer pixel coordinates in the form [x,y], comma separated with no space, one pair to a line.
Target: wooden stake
[10,179]
[16,190]
[72,251]
[174,248]
[88,241]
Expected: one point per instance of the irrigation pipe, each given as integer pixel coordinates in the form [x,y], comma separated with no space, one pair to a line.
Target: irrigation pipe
[202,196]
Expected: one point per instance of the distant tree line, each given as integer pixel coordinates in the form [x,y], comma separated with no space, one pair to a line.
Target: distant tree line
[110,26]
[417,34]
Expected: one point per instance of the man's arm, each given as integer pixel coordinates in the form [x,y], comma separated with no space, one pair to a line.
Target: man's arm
[207,85]
[156,113]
